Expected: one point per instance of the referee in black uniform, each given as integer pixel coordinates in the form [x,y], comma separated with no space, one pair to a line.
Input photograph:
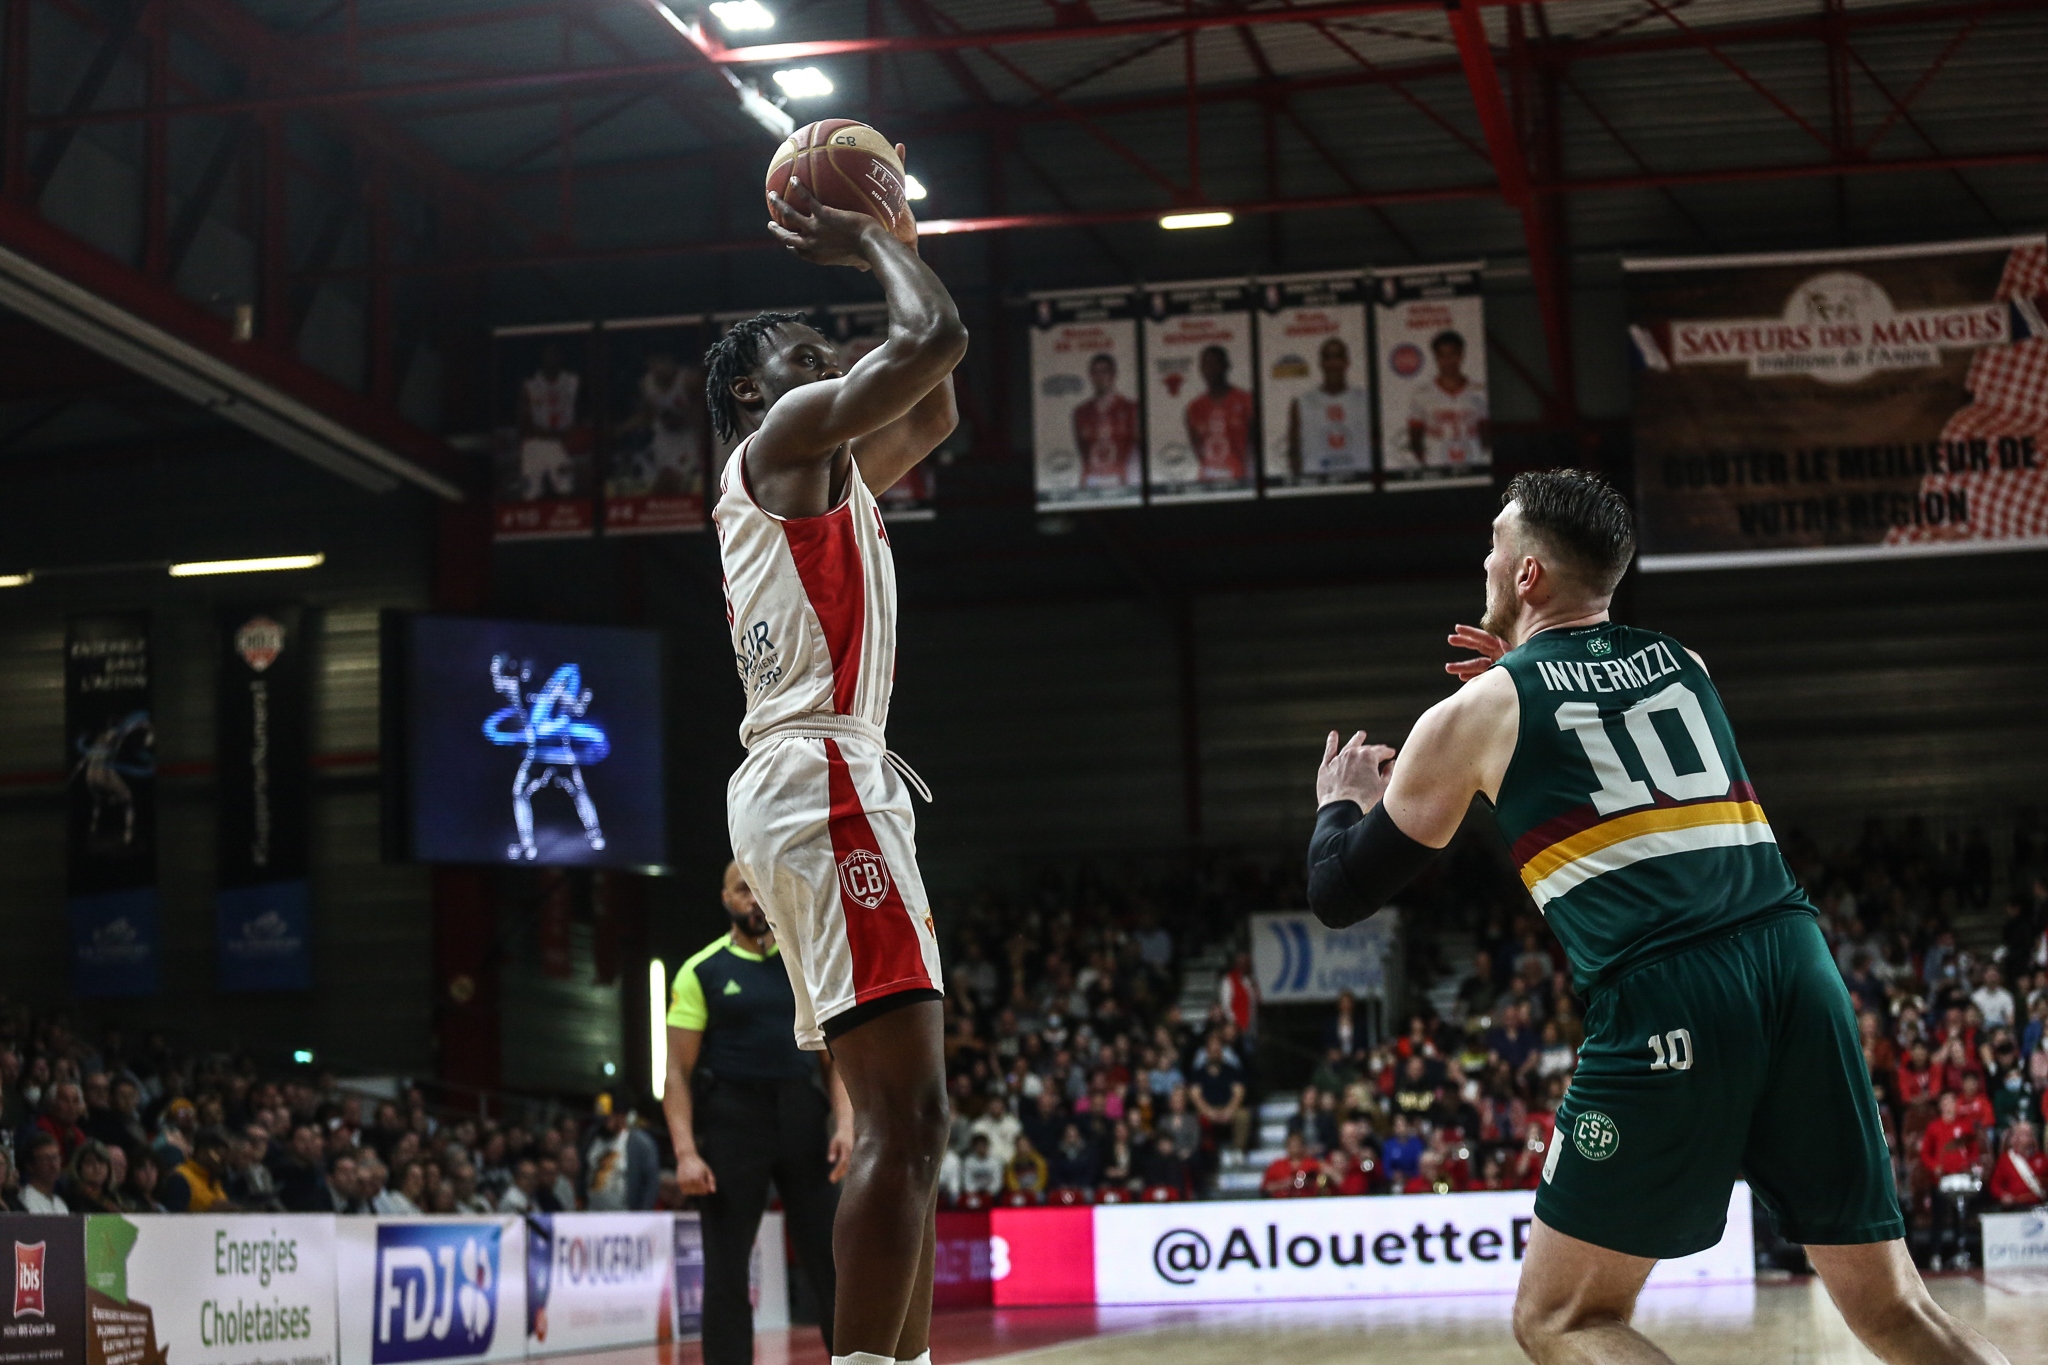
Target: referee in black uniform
[746,1106]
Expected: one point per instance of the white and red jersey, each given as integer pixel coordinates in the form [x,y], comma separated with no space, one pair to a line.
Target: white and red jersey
[1106,430]
[1336,431]
[1221,427]
[1452,425]
[812,605]
[551,403]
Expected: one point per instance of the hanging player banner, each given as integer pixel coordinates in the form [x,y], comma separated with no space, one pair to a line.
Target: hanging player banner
[543,466]
[856,329]
[657,429]
[1087,438]
[110,766]
[1838,405]
[1200,420]
[263,918]
[1429,331]
[1315,396]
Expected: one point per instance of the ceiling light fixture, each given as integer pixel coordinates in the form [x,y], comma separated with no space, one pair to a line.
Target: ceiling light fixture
[268,564]
[1213,218]
[913,188]
[804,82]
[16,580]
[743,16]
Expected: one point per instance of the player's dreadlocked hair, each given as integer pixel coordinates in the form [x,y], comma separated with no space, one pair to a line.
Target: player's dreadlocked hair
[731,356]
[1581,517]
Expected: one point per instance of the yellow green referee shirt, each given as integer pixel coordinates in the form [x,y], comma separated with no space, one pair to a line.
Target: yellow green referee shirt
[742,1004]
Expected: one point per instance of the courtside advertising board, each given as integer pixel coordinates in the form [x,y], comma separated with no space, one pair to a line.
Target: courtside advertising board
[431,1289]
[210,1289]
[1242,1251]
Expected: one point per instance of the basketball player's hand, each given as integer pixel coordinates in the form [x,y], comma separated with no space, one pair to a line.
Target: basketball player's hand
[817,232]
[1488,646]
[693,1176]
[1353,772]
[839,1151]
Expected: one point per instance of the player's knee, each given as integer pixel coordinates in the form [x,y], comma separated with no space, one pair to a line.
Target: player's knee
[1540,1325]
[1893,1316]
[913,1129]
[1536,1326]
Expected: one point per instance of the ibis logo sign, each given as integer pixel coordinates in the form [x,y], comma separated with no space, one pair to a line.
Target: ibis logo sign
[29,1260]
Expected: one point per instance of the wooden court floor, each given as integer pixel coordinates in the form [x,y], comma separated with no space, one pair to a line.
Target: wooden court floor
[1784,1322]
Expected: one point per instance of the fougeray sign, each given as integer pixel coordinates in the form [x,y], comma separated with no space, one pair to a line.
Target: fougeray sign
[1234,1251]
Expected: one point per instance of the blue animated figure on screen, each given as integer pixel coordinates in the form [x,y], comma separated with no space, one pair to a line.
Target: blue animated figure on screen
[108,759]
[559,742]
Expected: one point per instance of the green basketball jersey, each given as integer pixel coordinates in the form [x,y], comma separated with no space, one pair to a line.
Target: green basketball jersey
[1626,805]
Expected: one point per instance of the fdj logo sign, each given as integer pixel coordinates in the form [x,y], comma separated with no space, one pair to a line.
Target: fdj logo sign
[437,1291]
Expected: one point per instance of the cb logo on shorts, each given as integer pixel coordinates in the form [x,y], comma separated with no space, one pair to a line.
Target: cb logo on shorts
[864,877]
[1596,1136]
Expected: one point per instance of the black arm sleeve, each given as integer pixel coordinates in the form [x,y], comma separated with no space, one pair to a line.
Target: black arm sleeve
[1359,862]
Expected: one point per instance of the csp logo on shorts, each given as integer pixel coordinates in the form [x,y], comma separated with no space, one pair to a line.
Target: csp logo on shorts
[864,877]
[1595,1135]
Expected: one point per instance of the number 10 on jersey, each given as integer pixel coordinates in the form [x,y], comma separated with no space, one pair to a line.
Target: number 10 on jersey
[1673,1050]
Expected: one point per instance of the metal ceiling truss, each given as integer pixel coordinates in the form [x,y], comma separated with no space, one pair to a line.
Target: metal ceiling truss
[1519,120]
[131,311]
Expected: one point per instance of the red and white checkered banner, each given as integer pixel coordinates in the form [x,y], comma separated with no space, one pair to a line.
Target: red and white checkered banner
[1841,404]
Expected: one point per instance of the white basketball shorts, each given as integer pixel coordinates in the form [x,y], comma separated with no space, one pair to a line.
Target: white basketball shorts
[823,831]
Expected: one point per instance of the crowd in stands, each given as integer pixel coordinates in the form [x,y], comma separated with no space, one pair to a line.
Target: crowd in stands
[1075,1075]
[1954,1041]
[95,1129]
[1073,1071]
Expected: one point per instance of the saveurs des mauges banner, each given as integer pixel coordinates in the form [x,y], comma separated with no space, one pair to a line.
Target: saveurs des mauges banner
[1841,404]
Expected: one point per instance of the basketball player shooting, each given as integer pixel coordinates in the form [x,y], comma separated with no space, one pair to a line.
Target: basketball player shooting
[819,811]
[1720,1039]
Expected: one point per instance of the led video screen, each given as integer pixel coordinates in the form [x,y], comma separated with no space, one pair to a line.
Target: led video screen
[526,742]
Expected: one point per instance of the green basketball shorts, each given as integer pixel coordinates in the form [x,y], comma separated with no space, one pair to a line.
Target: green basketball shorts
[1734,1058]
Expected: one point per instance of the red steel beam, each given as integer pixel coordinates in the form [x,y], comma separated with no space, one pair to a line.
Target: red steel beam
[1183,22]
[1313,204]
[1902,106]
[1511,169]
[263,50]
[543,84]
[1706,41]
[159,304]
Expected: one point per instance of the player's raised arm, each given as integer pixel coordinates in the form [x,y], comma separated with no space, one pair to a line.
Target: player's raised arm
[926,337]
[1380,821]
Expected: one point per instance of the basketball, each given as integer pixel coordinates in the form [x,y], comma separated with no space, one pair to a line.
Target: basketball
[845,164]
